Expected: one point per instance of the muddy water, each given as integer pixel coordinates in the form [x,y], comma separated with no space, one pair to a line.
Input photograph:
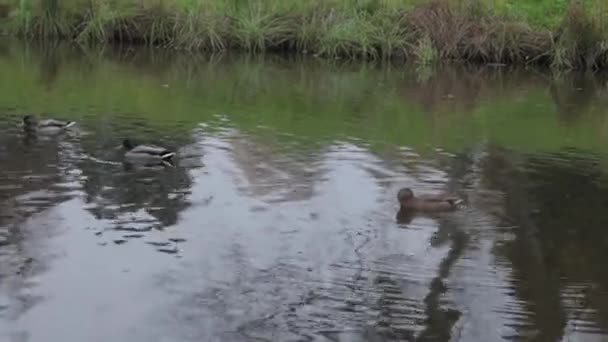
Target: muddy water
[280,221]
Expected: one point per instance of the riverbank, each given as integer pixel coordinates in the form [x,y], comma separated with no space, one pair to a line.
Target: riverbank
[561,34]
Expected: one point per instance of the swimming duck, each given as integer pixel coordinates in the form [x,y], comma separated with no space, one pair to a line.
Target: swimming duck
[48,126]
[147,153]
[428,203]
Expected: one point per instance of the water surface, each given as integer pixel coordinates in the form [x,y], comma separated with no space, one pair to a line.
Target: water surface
[280,221]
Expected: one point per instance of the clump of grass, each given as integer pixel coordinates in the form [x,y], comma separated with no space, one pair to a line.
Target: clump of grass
[425,51]
[153,27]
[200,28]
[580,40]
[309,27]
[46,21]
[21,23]
[98,21]
[258,26]
[473,32]
[348,36]
[438,23]
[391,33]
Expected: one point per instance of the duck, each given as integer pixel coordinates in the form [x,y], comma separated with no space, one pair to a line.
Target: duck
[31,124]
[146,154]
[427,203]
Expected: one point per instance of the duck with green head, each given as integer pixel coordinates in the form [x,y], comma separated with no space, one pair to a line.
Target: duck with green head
[32,124]
[147,153]
[427,203]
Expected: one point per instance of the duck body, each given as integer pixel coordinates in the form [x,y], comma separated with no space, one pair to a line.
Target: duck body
[48,126]
[147,154]
[427,203]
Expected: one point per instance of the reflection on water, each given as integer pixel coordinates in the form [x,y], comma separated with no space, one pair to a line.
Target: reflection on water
[280,221]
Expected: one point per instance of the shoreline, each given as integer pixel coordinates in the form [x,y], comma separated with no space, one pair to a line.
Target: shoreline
[424,34]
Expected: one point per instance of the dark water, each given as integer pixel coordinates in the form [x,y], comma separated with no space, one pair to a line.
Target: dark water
[280,221]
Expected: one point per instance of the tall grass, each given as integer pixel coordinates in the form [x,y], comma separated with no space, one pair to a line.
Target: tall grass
[560,33]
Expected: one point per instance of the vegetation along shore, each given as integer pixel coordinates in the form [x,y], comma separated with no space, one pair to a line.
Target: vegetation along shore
[564,34]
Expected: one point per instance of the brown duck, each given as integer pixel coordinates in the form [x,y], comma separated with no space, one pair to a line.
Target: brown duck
[428,203]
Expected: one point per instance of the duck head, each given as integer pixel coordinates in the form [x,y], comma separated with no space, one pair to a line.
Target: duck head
[404,195]
[127,144]
[29,120]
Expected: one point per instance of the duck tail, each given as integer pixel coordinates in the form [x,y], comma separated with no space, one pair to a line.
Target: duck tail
[457,202]
[167,155]
[167,163]
[70,124]
[460,204]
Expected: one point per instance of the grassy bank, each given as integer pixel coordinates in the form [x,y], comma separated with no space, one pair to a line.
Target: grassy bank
[560,33]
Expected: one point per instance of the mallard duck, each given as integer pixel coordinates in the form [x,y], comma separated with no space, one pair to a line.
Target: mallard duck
[48,126]
[428,203]
[147,153]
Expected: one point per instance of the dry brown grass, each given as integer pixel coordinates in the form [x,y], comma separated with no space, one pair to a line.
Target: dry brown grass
[488,38]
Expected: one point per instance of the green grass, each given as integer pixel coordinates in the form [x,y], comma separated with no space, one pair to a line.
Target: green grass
[561,33]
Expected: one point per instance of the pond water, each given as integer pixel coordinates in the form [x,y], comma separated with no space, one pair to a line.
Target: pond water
[280,220]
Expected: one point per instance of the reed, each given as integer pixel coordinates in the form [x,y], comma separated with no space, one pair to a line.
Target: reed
[561,33]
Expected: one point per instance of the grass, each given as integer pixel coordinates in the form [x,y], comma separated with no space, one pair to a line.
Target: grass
[561,33]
